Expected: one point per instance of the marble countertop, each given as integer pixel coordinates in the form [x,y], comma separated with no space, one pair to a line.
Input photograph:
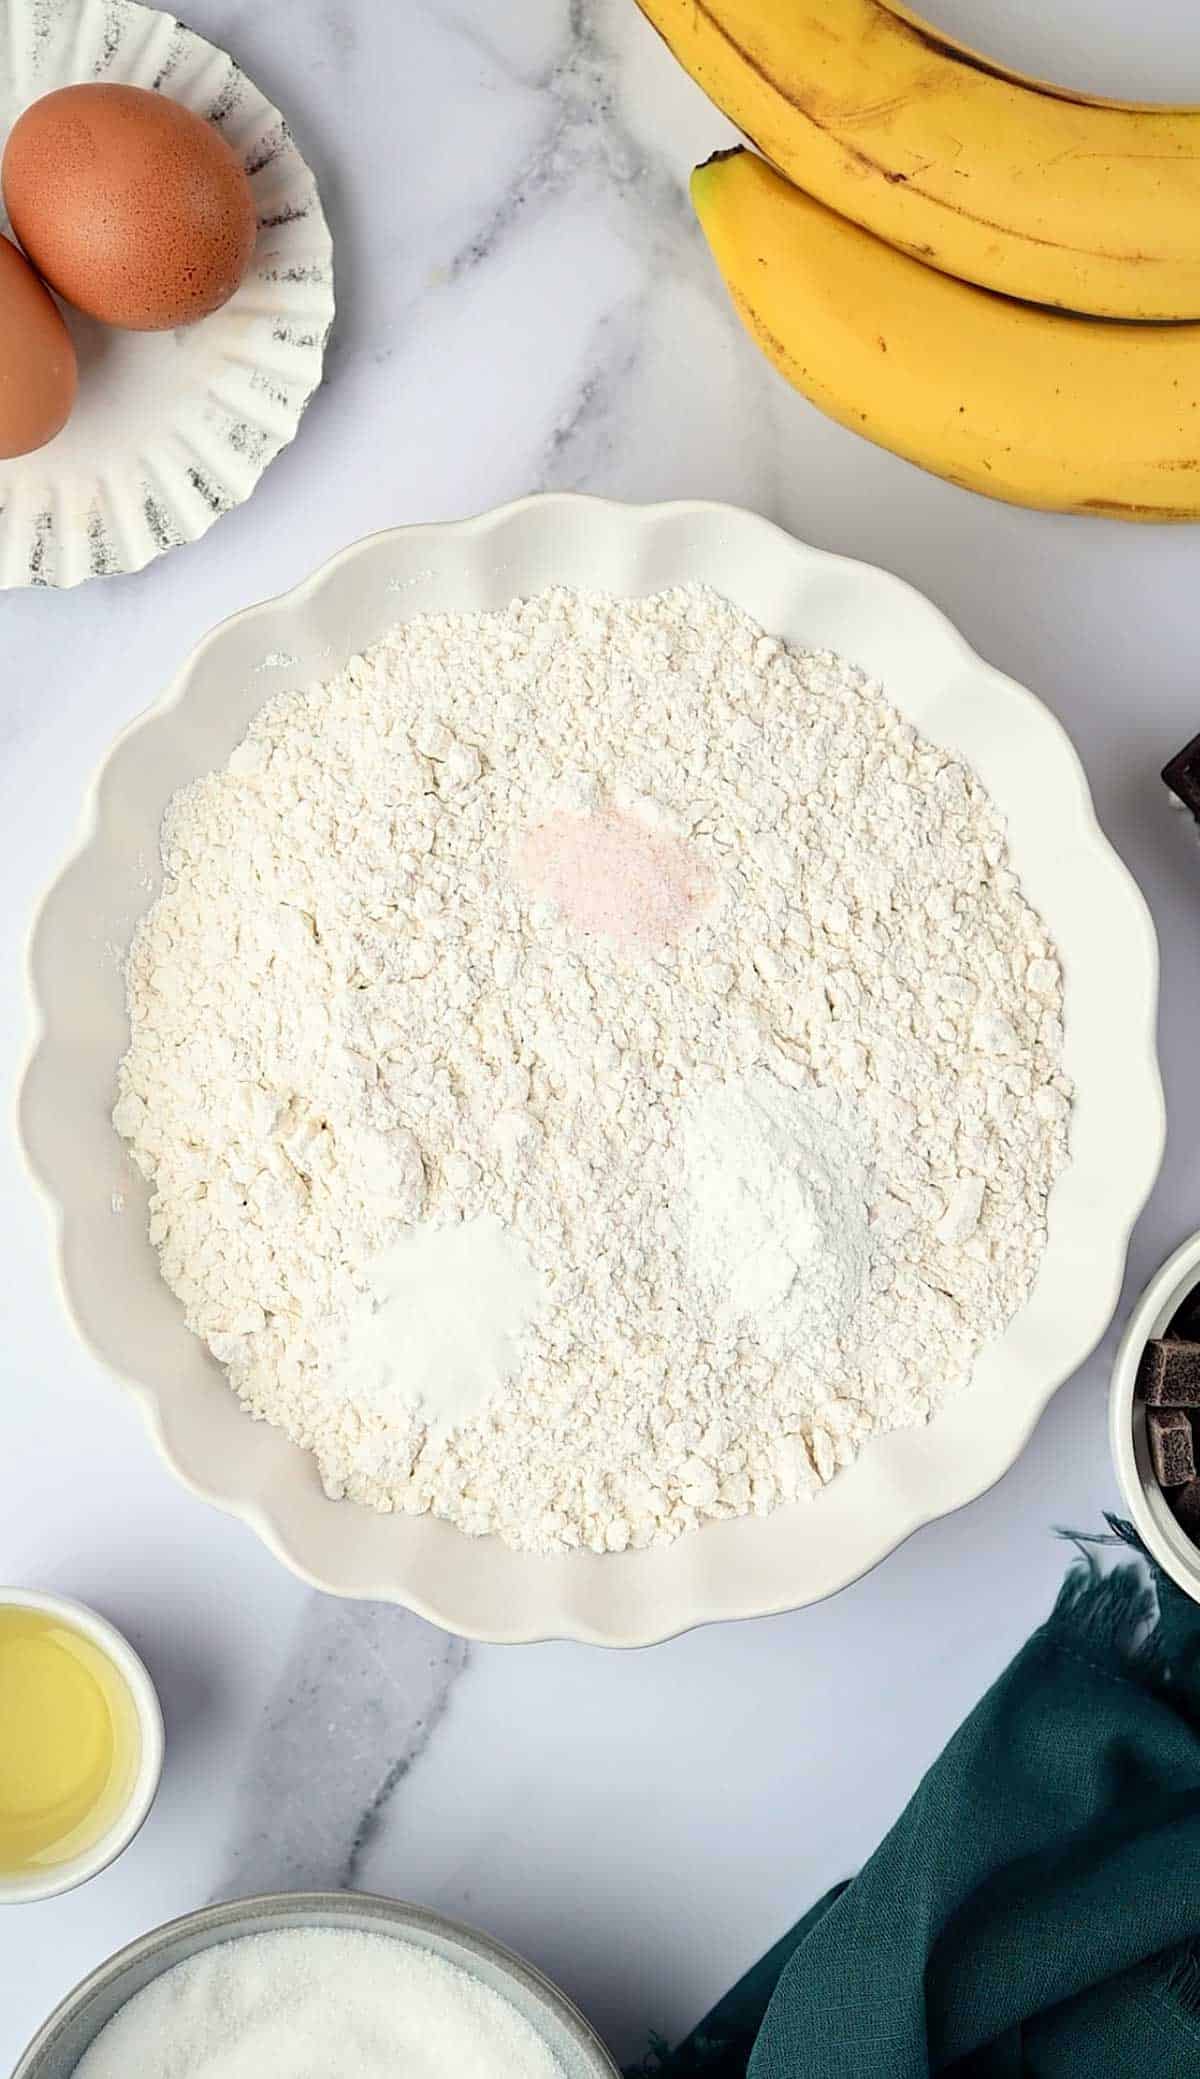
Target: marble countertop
[527,304]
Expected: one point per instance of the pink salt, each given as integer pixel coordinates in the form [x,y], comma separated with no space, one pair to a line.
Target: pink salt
[608,872]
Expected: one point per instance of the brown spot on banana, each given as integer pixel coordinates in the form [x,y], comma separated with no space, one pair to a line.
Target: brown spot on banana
[977,61]
[1161,515]
[866,163]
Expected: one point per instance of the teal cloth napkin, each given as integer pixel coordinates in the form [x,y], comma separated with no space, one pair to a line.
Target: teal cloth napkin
[1036,1909]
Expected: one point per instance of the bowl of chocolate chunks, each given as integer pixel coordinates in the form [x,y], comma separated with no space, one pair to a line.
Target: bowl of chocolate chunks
[1154,1415]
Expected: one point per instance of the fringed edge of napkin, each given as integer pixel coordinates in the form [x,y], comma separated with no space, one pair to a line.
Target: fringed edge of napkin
[1113,1612]
[1123,1617]
[1131,1616]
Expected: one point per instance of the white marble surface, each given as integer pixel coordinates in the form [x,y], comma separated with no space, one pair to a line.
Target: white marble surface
[527,304]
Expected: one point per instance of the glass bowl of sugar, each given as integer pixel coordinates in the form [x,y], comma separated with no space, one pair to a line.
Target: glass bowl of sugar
[350,1984]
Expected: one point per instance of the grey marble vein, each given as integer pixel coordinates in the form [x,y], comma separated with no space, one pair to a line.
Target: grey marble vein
[587,432]
[585,132]
[362,1691]
[587,145]
[524,67]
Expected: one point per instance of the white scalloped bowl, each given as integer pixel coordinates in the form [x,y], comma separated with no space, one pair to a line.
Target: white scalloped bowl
[733,1569]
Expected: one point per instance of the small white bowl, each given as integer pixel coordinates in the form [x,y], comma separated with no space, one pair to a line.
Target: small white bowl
[1156,1526]
[108,1640]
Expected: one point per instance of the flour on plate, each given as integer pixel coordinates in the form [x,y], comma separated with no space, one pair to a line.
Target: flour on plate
[776,1171]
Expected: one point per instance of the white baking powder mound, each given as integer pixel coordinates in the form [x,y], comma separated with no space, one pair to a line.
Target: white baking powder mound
[775,1214]
[328,2000]
[444,1324]
[595,1067]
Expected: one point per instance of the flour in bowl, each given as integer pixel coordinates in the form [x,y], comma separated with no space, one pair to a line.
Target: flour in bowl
[756,1137]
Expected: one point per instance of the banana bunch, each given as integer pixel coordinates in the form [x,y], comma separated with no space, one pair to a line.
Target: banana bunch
[914,177]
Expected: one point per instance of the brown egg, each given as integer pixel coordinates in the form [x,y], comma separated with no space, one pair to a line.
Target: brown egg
[133,208]
[37,359]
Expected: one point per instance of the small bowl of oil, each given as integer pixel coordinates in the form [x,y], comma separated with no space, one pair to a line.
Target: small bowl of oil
[81,1744]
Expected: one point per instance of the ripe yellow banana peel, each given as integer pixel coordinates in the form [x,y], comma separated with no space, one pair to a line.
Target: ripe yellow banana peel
[1026,188]
[1071,414]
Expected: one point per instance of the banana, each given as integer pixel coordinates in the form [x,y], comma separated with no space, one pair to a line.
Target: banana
[1026,188]
[1070,414]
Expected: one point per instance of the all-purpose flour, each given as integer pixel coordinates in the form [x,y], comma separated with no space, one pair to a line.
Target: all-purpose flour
[778,1164]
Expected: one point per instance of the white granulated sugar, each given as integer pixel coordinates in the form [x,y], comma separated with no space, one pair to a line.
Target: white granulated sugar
[348,1018]
[306,2000]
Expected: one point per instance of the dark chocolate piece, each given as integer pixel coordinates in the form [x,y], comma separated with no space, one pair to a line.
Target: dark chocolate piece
[1170,1434]
[1169,1375]
[1182,775]
[1185,1507]
[1184,1325]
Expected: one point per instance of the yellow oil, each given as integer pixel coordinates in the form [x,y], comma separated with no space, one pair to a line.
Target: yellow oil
[70,1742]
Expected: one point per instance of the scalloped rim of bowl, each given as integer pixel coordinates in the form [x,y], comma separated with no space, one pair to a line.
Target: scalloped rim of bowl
[53,1881]
[233,1918]
[1093,909]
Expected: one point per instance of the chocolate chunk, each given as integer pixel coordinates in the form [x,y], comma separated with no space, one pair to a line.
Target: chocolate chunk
[1169,1375]
[1182,775]
[1184,1325]
[1170,1434]
[1185,1507]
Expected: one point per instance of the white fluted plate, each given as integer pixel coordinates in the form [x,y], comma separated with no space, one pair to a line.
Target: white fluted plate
[110,1275]
[170,429]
